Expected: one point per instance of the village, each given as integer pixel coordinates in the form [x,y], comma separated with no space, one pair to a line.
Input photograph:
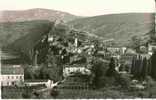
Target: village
[76,62]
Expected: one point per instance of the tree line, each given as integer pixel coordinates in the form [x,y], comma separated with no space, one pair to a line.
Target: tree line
[143,67]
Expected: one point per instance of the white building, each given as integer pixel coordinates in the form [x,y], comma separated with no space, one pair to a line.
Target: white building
[11,75]
[11,70]
[151,48]
[71,70]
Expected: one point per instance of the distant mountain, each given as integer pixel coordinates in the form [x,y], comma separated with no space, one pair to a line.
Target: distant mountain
[35,14]
[121,27]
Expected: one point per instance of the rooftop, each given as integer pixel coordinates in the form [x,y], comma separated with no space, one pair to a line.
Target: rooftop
[7,54]
[11,70]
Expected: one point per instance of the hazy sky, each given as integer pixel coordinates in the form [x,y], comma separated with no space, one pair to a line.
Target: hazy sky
[82,7]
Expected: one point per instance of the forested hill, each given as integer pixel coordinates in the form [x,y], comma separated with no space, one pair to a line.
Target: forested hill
[121,27]
[23,35]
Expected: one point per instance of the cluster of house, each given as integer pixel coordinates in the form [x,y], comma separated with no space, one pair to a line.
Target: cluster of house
[119,52]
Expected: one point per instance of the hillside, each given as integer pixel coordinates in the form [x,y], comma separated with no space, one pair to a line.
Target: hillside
[121,27]
[23,36]
[17,30]
[35,14]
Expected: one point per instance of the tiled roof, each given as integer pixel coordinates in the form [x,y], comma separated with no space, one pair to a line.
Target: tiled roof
[11,70]
[9,55]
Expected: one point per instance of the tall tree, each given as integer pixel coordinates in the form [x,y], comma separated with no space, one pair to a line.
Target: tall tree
[153,65]
[111,71]
[149,66]
[133,66]
[98,72]
[144,71]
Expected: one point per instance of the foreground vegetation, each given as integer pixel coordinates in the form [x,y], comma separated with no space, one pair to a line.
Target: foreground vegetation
[113,91]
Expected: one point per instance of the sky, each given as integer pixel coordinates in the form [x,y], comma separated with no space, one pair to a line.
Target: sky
[82,7]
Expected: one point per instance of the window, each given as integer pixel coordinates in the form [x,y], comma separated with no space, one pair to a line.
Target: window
[20,77]
[12,77]
[13,83]
[8,77]
[7,83]
[16,77]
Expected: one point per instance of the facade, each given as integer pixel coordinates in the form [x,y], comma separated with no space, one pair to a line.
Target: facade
[71,70]
[11,75]
[151,48]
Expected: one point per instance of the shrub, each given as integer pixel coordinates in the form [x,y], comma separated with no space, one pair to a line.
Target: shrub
[26,94]
[111,71]
[124,80]
[54,93]
[107,81]
[151,87]
[111,93]
[99,70]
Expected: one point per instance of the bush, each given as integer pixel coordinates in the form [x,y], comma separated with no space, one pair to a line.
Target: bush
[124,80]
[111,71]
[99,73]
[111,92]
[151,87]
[54,93]
[150,82]
[26,94]
[107,81]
